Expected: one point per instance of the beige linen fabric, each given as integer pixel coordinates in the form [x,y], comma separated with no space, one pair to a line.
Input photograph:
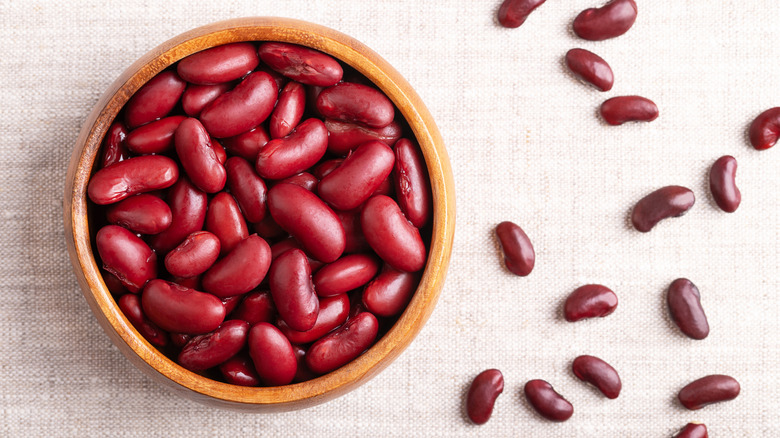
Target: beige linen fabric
[526,145]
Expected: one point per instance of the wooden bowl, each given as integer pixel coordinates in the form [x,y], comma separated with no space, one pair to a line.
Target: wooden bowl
[146,357]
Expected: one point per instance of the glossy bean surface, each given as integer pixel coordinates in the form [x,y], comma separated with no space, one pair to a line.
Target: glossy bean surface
[598,373]
[765,129]
[548,403]
[197,157]
[333,311]
[684,302]
[292,289]
[155,99]
[284,157]
[219,64]
[288,110]
[247,187]
[130,177]
[241,270]
[179,309]
[344,137]
[197,97]
[513,13]
[355,240]
[590,301]
[130,305]
[361,173]
[225,220]
[412,184]
[389,293]
[609,21]
[342,345]
[356,103]
[211,349]
[707,390]
[196,254]
[622,109]
[516,247]
[113,149]
[666,202]
[144,214]
[303,179]
[391,236]
[482,395]
[303,373]
[301,64]
[247,145]
[590,68]
[349,272]
[242,108]
[239,370]
[272,355]
[155,137]
[723,184]
[693,430]
[126,256]
[257,306]
[188,213]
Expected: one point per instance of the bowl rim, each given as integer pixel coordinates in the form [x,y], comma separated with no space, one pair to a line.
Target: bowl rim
[153,362]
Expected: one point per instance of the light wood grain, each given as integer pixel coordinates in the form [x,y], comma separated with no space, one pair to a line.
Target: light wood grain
[135,347]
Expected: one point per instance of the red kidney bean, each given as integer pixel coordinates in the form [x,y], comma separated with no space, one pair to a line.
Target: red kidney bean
[272,355]
[224,219]
[622,109]
[248,144]
[412,184]
[231,303]
[154,137]
[693,430]
[247,187]
[591,68]
[707,390]
[288,111]
[188,210]
[765,129]
[303,373]
[389,293]
[548,403]
[345,137]
[132,176]
[352,183]
[197,97]
[302,214]
[194,256]
[241,270]
[723,185]
[219,64]
[590,301]
[482,395]
[219,151]
[312,93]
[347,273]
[155,99]
[289,243]
[356,103]
[333,312]
[609,21]
[144,214]
[280,80]
[268,228]
[239,370]
[198,158]
[242,108]
[684,303]
[391,236]
[598,373]
[293,291]
[386,188]
[666,202]
[519,255]
[113,148]
[179,340]
[284,157]
[342,345]
[256,307]
[181,310]
[355,240]
[189,282]
[113,284]
[326,167]
[513,13]
[303,179]
[207,351]
[130,305]
[301,64]
[126,256]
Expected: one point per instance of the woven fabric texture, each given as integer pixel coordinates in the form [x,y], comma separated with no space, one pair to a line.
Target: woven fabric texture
[526,144]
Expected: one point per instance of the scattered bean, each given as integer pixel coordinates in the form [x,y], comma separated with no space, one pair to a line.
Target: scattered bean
[482,395]
[590,301]
[666,202]
[590,68]
[513,13]
[622,109]
[519,255]
[765,129]
[548,403]
[598,373]
[707,390]
[684,303]
[693,430]
[609,21]
[723,185]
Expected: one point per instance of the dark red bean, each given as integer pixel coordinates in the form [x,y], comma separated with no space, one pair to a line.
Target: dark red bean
[598,373]
[391,236]
[622,109]
[280,80]
[113,284]
[241,270]
[181,310]
[219,151]
[126,256]
[590,301]
[224,219]
[219,64]
[130,305]
[666,202]
[303,373]
[312,93]
[194,256]
[268,228]
[179,340]
[242,108]
[355,240]
[155,137]
[144,214]
[188,210]
[197,97]
[333,312]
[765,129]
[707,390]
[684,303]
[345,137]
[198,158]
[345,274]
[723,184]
[130,177]
[301,64]
[231,303]
[256,307]
[293,291]
[209,350]
[303,179]
[548,403]
[326,167]
[248,144]
[302,214]
[272,355]
[609,21]
[113,148]
[361,173]
[356,103]
[189,282]
[284,157]
[482,395]
[289,243]
[693,430]
[247,187]
[389,293]
[590,68]
[239,370]
[519,255]
[342,345]
[513,13]
[155,99]
[288,111]
[412,185]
